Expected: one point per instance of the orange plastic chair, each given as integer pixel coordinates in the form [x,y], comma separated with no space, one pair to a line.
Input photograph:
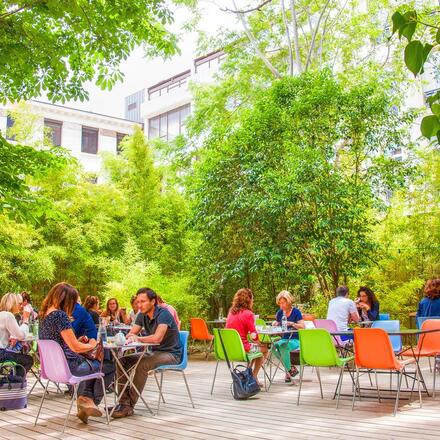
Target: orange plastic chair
[200,332]
[428,345]
[373,351]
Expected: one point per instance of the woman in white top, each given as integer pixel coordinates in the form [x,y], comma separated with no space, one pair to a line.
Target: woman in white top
[10,333]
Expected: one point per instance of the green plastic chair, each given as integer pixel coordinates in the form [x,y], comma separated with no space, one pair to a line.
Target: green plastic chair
[234,348]
[318,350]
[265,339]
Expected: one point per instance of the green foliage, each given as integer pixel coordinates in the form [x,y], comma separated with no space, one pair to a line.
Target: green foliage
[282,192]
[56,47]
[424,24]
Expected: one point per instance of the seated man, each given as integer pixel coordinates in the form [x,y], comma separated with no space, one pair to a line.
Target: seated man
[160,328]
[342,310]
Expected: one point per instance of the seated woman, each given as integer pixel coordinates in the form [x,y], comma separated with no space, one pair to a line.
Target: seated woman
[430,304]
[10,333]
[170,308]
[28,312]
[114,313]
[91,304]
[134,310]
[289,342]
[242,319]
[55,314]
[367,304]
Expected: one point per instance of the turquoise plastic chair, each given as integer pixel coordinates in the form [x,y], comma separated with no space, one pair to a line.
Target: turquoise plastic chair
[391,326]
[384,317]
[183,335]
[234,349]
[318,350]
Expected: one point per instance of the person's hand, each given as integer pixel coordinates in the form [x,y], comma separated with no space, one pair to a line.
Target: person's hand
[83,339]
[13,342]
[93,342]
[132,338]
[274,323]
[290,324]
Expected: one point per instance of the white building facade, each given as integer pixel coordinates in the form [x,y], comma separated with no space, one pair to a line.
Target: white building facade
[85,134]
[164,106]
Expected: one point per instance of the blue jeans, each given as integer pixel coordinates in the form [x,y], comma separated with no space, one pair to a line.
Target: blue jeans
[92,388]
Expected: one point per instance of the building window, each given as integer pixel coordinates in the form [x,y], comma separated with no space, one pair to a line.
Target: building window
[169,125]
[169,84]
[119,137]
[55,130]
[89,140]
[9,124]
[132,106]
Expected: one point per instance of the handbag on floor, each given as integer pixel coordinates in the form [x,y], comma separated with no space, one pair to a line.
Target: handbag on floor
[244,384]
[13,388]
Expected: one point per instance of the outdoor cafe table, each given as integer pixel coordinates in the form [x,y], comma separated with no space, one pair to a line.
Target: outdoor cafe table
[117,353]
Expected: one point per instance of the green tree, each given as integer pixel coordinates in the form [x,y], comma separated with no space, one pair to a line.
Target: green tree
[288,188]
[56,47]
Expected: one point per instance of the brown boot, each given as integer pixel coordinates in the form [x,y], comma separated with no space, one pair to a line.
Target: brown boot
[122,411]
[87,408]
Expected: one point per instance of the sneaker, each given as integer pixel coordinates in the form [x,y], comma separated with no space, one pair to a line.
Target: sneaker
[122,411]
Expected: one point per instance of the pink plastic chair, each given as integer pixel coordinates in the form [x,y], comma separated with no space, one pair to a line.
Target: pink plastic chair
[54,368]
[330,325]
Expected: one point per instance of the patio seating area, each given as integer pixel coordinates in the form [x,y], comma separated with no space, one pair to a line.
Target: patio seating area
[270,415]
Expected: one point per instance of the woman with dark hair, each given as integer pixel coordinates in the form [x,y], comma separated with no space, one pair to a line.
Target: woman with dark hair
[242,319]
[115,314]
[28,312]
[55,314]
[367,304]
[430,304]
[91,304]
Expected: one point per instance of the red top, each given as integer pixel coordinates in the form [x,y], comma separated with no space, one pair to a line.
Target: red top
[244,323]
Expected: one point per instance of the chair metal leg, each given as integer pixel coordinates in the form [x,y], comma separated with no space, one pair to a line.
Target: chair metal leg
[158,387]
[340,386]
[41,403]
[377,386]
[160,390]
[301,372]
[433,382]
[215,374]
[430,366]
[187,389]
[105,401]
[75,390]
[399,383]
[356,386]
[319,379]
[369,377]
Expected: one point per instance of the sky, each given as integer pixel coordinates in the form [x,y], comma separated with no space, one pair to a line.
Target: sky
[141,72]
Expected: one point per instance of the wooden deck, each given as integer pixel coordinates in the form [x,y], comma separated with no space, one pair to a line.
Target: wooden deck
[272,415]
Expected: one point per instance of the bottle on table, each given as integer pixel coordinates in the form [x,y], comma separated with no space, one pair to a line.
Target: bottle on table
[284,322]
[102,331]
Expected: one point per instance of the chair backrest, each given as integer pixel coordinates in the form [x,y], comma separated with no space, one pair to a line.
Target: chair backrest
[183,336]
[317,348]
[53,362]
[327,324]
[421,319]
[372,349]
[233,345]
[383,317]
[265,339]
[391,326]
[199,329]
[430,342]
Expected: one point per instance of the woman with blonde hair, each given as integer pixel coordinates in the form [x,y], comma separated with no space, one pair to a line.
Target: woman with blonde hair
[242,319]
[10,332]
[289,342]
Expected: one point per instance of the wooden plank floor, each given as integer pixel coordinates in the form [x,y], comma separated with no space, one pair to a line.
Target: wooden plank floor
[271,415]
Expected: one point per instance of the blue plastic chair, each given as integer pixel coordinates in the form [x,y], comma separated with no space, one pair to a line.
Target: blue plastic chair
[391,326]
[421,319]
[178,368]
[384,317]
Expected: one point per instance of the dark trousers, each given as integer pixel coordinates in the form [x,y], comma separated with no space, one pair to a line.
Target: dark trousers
[149,362]
[22,359]
[92,388]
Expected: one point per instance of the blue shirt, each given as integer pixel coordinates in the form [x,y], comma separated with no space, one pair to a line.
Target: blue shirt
[83,324]
[295,316]
[429,307]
